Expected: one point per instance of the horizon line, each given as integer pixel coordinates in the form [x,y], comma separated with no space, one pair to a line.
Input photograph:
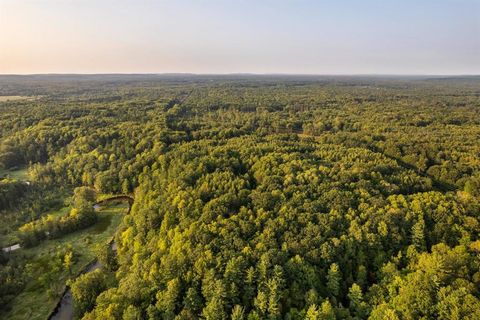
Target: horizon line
[244,74]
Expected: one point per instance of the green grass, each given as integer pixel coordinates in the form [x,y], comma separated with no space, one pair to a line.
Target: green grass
[103,196]
[11,237]
[57,213]
[13,98]
[34,302]
[8,238]
[17,174]
[8,235]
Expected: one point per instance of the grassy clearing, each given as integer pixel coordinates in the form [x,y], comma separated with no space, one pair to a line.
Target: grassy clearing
[9,238]
[103,196]
[13,98]
[58,213]
[35,302]
[9,231]
[8,228]
[18,174]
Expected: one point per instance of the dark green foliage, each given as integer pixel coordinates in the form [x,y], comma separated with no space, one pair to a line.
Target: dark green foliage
[264,198]
[11,191]
[81,215]
[107,256]
[85,290]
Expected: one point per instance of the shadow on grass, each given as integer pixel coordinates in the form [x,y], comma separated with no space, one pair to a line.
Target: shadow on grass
[102,224]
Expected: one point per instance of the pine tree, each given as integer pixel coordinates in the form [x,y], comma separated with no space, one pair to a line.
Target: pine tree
[313,313]
[355,296]
[418,235]
[238,313]
[326,311]
[333,280]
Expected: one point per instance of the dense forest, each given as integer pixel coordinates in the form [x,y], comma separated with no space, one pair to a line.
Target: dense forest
[255,197]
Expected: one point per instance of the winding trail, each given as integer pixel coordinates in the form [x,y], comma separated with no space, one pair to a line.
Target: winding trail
[64,308]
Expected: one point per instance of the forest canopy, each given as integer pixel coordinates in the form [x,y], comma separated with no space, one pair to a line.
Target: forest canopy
[289,197]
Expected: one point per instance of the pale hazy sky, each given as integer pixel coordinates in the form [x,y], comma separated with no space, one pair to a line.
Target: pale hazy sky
[257,36]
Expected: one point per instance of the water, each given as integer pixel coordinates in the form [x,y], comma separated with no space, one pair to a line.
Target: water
[93,267]
[65,308]
[65,311]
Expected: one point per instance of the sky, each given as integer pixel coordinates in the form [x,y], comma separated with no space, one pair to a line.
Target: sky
[240,36]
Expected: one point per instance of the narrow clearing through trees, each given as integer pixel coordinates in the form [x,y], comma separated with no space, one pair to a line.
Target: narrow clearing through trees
[64,308]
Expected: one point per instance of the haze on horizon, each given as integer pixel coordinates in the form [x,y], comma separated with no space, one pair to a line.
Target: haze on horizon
[263,36]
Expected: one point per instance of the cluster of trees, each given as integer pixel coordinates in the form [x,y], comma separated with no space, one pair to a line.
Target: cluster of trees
[35,144]
[21,202]
[22,274]
[12,280]
[81,215]
[11,191]
[279,227]
[440,284]
[86,288]
[264,198]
